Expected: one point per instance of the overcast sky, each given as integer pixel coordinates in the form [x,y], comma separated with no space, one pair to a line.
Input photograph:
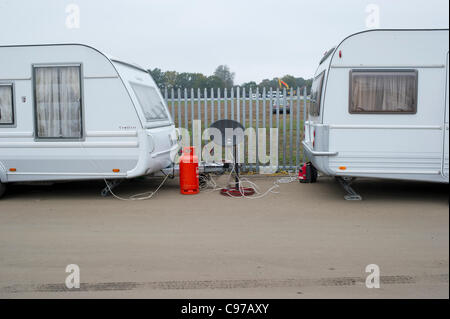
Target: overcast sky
[258,39]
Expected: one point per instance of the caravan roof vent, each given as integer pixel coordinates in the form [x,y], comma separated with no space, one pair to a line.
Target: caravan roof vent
[327,54]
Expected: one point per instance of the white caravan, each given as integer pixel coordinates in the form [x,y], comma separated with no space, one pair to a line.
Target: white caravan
[379,107]
[69,112]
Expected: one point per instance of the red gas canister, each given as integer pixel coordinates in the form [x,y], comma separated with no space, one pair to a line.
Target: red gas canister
[189,183]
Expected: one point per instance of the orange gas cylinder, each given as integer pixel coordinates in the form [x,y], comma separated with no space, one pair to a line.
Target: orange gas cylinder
[189,183]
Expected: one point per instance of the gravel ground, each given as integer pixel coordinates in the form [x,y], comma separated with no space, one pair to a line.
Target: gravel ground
[304,242]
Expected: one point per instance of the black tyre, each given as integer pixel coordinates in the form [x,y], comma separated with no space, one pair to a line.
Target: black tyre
[314,174]
[2,189]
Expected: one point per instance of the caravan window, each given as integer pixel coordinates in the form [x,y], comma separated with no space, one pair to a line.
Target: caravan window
[316,95]
[6,104]
[383,91]
[152,105]
[57,92]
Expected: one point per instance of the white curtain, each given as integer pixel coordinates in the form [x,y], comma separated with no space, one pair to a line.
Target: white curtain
[70,97]
[58,99]
[383,92]
[6,107]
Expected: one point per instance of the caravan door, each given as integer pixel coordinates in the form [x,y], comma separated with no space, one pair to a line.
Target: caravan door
[445,159]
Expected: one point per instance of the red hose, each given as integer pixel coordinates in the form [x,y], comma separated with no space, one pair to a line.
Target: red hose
[235,192]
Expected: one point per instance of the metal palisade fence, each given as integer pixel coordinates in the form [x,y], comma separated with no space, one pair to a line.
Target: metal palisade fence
[273,120]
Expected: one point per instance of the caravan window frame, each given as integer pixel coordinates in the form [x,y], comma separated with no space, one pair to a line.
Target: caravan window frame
[416,93]
[316,111]
[149,121]
[13,106]
[37,138]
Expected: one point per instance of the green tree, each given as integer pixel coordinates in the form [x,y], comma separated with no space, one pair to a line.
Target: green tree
[223,72]
[215,82]
[170,79]
[269,84]
[250,85]
[158,76]
[222,78]
[183,81]
[300,82]
[289,80]
[199,81]
[308,84]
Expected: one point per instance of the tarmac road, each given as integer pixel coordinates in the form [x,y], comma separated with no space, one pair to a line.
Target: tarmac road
[304,242]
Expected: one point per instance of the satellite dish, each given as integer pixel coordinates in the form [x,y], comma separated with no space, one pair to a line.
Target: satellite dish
[231,132]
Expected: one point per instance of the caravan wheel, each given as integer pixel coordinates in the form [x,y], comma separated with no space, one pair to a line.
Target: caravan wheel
[2,189]
[314,174]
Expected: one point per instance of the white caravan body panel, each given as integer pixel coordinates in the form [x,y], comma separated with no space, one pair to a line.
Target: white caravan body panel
[116,139]
[397,145]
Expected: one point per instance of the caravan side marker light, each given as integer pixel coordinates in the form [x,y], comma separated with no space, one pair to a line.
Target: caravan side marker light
[13,170]
[116,170]
[314,138]
[342,168]
[340,54]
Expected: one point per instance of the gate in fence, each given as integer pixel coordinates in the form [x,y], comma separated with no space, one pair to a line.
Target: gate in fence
[273,122]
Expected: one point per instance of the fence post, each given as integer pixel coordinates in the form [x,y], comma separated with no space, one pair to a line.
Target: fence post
[271,109]
[304,119]
[179,108]
[172,104]
[277,118]
[297,161]
[238,118]
[205,107]
[186,123]
[212,105]
[264,108]
[219,116]
[225,107]
[232,103]
[199,104]
[196,125]
[291,129]
[256,128]
[192,113]
[244,166]
[199,119]
[250,121]
[284,128]
[238,104]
